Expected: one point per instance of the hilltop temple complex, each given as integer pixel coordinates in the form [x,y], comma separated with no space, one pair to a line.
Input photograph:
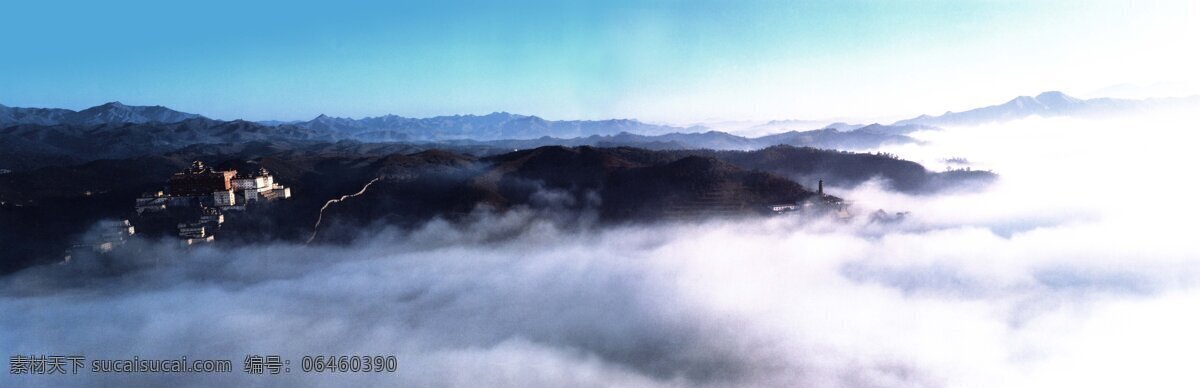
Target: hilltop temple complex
[199,197]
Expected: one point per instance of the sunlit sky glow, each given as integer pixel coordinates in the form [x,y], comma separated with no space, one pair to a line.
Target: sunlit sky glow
[676,61]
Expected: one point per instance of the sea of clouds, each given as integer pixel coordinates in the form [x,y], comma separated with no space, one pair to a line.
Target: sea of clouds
[1079,267]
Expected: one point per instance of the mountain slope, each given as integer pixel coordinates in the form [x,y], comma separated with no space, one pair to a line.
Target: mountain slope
[32,146]
[109,113]
[36,116]
[43,210]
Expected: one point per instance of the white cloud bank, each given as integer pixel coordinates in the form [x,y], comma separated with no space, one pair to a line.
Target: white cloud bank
[1079,268]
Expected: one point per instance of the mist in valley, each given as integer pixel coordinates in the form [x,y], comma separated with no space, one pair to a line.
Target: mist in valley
[1075,268]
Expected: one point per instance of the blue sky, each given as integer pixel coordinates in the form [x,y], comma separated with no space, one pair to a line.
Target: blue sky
[673,61]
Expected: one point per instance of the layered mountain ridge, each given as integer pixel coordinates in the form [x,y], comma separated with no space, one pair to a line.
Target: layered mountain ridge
[36,137]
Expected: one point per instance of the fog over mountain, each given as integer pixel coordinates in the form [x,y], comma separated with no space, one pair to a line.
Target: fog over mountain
[44,211]
[1072,270]
[598,194]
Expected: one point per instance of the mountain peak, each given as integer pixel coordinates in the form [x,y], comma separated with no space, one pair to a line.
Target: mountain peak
[110,106]
[1051,94]
[1021,100]
[501,115]
[1056,98]
[116,112]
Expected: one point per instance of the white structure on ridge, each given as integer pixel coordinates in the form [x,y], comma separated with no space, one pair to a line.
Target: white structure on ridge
[259,185]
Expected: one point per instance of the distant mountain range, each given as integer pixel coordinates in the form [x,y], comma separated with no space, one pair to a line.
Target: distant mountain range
[508,126]
[1047,104]
[36,137]
[494,126]
[29,146]
[860,138]
[110,113]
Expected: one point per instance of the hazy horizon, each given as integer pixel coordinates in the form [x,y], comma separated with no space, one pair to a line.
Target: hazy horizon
[1124,91]
[670,61]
